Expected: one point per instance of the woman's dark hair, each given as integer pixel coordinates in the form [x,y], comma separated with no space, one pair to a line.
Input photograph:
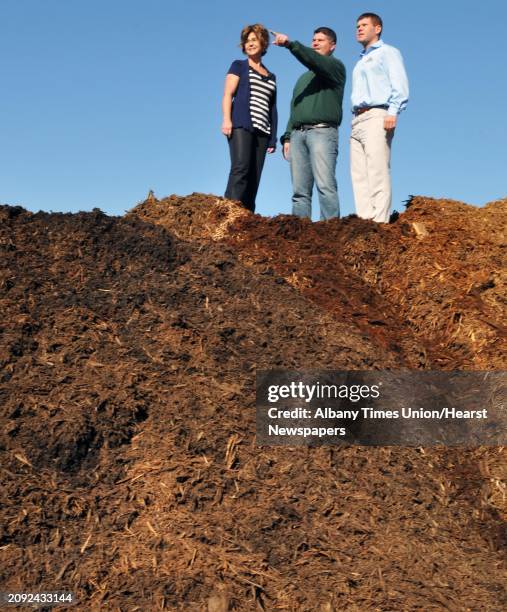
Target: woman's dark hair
[259,31]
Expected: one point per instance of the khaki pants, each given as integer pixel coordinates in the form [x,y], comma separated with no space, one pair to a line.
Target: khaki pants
[370,160]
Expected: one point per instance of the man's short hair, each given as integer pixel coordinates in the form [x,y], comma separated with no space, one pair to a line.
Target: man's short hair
[375,19]
[262,35]
[331,34]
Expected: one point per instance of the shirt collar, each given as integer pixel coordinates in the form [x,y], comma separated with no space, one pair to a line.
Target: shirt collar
[376,45]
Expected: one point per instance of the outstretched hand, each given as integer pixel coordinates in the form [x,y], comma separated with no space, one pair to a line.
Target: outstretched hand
[281,40]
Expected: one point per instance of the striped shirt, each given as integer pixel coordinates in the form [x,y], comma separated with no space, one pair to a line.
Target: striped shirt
[262,90]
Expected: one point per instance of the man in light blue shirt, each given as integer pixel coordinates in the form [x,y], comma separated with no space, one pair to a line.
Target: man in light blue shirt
[379,94]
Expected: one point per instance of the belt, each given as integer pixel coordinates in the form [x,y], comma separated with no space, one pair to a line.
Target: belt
[363,109]
[311,126]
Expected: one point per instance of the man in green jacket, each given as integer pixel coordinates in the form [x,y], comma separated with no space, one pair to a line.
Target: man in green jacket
[310,141]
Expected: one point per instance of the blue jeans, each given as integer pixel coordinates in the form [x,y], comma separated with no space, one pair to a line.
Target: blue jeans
[313,154]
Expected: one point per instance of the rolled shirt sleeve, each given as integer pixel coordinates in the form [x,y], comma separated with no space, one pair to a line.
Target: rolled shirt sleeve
[399,81]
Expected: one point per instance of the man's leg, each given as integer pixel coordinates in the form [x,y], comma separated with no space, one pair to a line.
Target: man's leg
[323,146]
[240,148]
[378,159]
[301,172]
[359,171]
[259,148]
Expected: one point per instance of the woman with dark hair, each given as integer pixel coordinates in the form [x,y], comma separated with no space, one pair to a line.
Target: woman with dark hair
[249,116]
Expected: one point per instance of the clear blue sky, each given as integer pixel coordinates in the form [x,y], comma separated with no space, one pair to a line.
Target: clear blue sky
[103,100]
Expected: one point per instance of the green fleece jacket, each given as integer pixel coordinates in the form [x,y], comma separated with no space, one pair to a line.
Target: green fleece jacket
[318,94]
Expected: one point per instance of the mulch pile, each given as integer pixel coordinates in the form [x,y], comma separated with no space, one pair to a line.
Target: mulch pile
[128,350]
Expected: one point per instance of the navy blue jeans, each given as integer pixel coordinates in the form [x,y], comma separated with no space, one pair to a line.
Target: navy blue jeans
[248,151]
[313,154]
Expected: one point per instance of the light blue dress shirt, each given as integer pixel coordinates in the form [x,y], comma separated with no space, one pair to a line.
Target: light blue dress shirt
[379,79]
